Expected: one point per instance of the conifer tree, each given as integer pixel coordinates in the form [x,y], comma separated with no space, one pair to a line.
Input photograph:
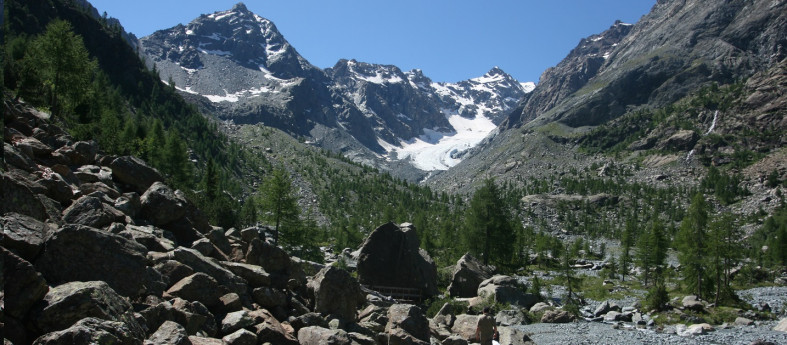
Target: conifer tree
[279,203]
[488,226]
[692,242]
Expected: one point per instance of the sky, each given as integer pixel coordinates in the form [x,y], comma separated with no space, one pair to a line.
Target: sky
[449,40]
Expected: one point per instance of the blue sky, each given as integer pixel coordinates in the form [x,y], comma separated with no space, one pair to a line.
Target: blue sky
[450,40]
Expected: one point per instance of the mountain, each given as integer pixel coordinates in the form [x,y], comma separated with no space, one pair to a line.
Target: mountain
[238,66]
[660,63]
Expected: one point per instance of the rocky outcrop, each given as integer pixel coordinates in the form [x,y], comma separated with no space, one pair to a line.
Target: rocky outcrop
[391,257]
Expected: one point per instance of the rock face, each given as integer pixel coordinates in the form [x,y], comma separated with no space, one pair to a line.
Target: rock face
[335,292]
[391,257]
[468,273]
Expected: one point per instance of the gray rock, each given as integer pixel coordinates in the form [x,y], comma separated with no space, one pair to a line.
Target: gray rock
[134,172]
[91,211]
[314,335]
[336,292]
[203,246]
[253,274]
[691,302]
[194,316]
[81,253]
[391,256]
[240,337]
[15,158]
[505,289]
[200,263]
[91,331]
[270,330]
[465,326]
[270,298]
[24,235]
[410,319]
[513,336]
[68,303]
[742,321]
[18,197]
[237,320]
[161,205]
[198,287]
[22,285]
[173,271]
[510,318]
[557,316]
[169,333]
[467,275]
[539,307]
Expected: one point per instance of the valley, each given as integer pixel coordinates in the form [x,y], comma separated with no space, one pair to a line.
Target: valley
[635,193]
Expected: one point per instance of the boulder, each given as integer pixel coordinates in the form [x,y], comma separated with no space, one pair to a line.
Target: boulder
[269,298]
[100,187]
[511,317]
[506,290]
[253,274]
[691,302]
[195,340]
[445,316]
[308,319]
[410,319]
[237,320]
[557,316]
[193,316]
[173,271]
[18,197]
[240,337]
[160,205]
[198,287]
[56,187]
[81,253]
[15,158]
[391,256]
[604,308]
[467,275]
[465,326]
[272,259]
[200,263]
[22,285]
[270,330]
[129,204]
[781,326]
[695,329]
[149,236]
[204,246]
[513,336]
[91,211]
[24,235]
[742,321]
[91,331]
[33,146]
[169,333]
[217,237]
[336,292]
[94,173]
[539,307]
[314,335]
[68,303]
[134,172]
[398,336]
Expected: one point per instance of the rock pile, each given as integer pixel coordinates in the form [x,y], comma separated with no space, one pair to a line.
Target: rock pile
[99,249]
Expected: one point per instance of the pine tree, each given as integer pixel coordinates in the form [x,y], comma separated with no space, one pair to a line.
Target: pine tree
[652,250]
[725,251]
[691,242]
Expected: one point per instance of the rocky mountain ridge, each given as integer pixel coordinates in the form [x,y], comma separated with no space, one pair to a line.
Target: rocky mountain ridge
[239,67]
[665,58]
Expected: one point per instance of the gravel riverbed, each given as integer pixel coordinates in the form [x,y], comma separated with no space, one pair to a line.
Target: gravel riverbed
[584,332]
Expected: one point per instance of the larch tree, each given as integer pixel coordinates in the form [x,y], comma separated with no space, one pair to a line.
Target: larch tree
[692,244]
[488,231]
[279,203]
